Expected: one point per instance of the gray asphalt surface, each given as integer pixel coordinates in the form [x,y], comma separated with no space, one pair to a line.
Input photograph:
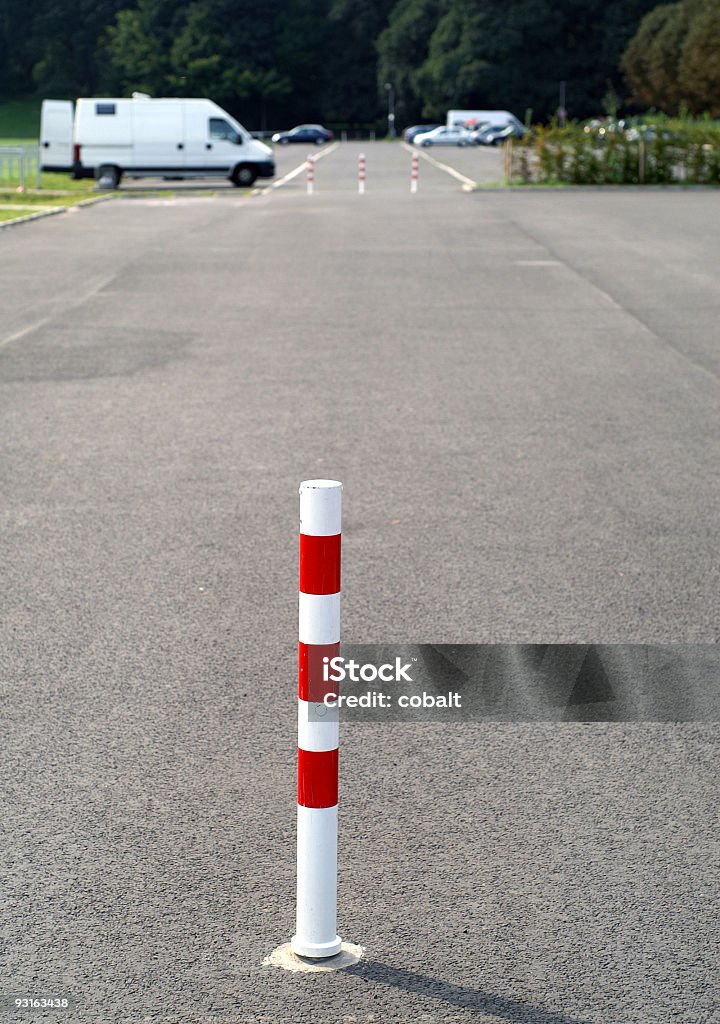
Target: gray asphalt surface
[520,393]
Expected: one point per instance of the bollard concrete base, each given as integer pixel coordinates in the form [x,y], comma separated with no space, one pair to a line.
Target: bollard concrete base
[284,957]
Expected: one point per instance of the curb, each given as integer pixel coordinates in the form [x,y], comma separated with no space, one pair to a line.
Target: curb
[32,216]
[51,212]
[93,200]
[528,189]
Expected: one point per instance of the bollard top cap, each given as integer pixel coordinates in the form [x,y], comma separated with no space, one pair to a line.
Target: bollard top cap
[320,507]
[320,485]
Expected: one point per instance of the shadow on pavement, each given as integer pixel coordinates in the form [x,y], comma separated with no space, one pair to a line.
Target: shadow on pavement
[467,998]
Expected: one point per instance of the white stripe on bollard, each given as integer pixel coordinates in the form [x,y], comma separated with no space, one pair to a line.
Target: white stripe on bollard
[319,618]
[316,934]
[313,735]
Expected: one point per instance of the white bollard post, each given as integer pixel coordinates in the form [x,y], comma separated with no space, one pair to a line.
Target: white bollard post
[415,166]
[318,740]
[361,174]
[310,174]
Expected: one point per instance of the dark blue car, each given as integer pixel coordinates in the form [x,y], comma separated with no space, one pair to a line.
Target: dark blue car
[313,134]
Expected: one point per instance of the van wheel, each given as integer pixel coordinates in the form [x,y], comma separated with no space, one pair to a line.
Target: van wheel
[108,176]
[243,176]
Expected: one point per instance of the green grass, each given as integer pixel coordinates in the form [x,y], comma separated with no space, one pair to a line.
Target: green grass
[41,198]
[50,181]
[19,121]
[10,214]
[64,183]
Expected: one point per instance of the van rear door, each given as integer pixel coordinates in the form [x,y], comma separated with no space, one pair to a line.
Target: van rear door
[56,135]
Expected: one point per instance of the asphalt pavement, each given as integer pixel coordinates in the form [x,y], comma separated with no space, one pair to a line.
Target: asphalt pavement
[519,391]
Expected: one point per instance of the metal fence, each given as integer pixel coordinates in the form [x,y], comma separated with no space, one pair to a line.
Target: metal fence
[20,165]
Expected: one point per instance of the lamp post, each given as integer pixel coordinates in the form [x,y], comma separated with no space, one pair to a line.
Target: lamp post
[562,112]
[391,110]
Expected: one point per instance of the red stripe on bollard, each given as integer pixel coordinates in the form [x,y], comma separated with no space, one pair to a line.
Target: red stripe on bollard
[319,564]
[311,684]
[317,778]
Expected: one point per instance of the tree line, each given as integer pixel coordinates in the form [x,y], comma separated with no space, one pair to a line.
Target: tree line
[673,60]
[330,60]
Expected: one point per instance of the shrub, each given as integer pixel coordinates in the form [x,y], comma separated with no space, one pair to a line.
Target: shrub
[660,151]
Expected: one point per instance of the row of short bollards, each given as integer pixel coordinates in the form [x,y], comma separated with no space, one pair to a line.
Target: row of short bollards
[414,169]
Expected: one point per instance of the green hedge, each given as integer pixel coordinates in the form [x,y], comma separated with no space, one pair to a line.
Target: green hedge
[666,151]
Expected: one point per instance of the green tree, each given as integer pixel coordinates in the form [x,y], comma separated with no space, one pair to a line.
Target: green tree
[672,62]
[480,54]
[62,43]
[135,51]
[402,48]
[652,58]
[302,42]
[699,64]
[351,60]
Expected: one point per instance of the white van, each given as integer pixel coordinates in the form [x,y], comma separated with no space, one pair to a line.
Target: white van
[475,118]
[107,138]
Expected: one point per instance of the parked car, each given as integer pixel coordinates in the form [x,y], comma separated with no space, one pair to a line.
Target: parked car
[496,134]
[314,134]
[418,129]
[444,137]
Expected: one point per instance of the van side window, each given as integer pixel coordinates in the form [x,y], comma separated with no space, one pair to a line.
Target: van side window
[104,108]
[218,128]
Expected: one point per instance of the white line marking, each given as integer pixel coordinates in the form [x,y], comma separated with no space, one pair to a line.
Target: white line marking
[62,309]
[25,330]
[538,263]
[467,182]
[296,170]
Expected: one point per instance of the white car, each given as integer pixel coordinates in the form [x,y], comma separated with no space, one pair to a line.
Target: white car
[445,137]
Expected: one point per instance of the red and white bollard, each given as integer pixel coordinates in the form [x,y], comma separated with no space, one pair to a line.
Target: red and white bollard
[310,174]
[415,167]
[361,173]
[318,735]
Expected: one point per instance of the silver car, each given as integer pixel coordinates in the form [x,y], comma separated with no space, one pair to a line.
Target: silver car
[445,137]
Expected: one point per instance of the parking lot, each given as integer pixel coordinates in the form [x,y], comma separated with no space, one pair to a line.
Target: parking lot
[519,391]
